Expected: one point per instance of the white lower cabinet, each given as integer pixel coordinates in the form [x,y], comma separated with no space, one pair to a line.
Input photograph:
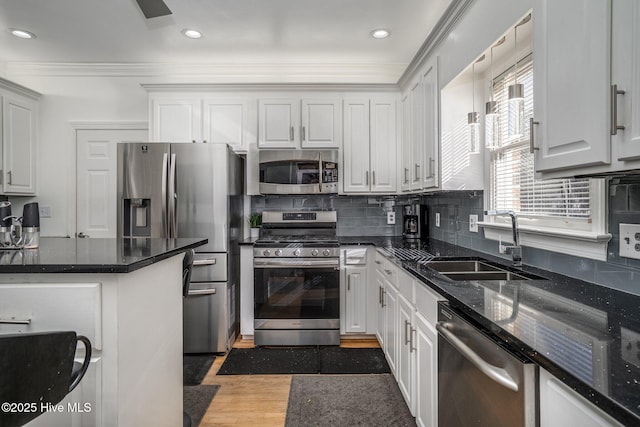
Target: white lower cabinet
[406,351]
[425,373]
[406,317]
[560,406]
[390,303]
[355,292]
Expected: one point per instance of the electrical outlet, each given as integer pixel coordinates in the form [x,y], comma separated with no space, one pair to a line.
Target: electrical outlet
[630,346]
[391,217]
[45,211]
[630,241]
[437,219]
[473,223]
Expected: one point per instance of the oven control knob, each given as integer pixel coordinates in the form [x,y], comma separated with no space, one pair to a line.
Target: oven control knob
[326,252]
[297,252]
[314,252]
[278,252]
[266,252]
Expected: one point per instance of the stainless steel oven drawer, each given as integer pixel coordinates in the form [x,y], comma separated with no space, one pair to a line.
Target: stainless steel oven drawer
[209,267]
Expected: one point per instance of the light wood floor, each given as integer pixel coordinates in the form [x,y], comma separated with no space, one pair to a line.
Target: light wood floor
[254,400]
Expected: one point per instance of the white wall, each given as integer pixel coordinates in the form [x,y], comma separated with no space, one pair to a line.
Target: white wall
[67,99]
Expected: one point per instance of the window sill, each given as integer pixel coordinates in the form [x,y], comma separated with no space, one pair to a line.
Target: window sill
[580,243]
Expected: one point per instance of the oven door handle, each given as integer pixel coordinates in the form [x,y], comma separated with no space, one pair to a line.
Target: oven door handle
[296,263]
[496,373]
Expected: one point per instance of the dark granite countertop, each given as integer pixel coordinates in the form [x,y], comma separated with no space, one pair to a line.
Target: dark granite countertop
[571,328]
[62,255]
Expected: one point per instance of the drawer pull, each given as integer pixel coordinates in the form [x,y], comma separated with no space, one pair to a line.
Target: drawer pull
[14,321]
[203,292]
[200,262]
[388,272]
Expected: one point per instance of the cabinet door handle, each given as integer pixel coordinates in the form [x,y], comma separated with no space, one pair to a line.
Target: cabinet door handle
[373,174]
[388,272]
[10,177]
[377,262]
[380,295]
[615,127]
[406,175]
[348,283]
[291,134]
[532,147]
[417,172]
[432,166]
[304,133]
[383,292]
[406,332]
[366,178]
[14,321]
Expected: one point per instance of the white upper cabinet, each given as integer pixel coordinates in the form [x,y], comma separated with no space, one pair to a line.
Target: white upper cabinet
[420,131]
[407,143]
[355,170]
[321,123]
[370,145]
[430,128]
[279,120]
[176,118]
[626,76]
[583,97]
[203,117]
[230,121]
[383,145]
[571,94]
[296,123]
[19,136]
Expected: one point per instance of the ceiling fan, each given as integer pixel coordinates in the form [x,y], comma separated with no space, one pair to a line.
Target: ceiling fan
[153,8]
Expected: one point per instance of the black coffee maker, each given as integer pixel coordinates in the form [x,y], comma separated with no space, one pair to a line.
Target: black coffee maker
[411,222]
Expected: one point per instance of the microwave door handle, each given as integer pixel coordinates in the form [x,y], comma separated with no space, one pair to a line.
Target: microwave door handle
[165,202]
[320,172]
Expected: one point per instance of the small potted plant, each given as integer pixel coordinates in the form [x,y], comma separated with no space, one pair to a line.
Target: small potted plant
[255,221]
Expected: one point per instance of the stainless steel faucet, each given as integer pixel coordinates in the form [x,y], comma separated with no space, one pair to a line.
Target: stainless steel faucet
[516,249]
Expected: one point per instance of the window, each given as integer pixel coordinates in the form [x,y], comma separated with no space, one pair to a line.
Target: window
[513,183]
[559,215]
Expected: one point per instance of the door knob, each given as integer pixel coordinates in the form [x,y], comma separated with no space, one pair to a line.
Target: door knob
[81,235]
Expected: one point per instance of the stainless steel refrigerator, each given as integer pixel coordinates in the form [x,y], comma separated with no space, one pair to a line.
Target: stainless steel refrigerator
[190,190]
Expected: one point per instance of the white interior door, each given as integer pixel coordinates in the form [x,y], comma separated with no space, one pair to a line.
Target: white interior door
[96,179]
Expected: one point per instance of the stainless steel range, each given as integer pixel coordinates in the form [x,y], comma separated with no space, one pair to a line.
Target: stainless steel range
[297,279]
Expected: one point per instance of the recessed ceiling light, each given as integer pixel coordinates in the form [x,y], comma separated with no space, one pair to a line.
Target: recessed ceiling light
[192,34]
[380,33]
[23,34]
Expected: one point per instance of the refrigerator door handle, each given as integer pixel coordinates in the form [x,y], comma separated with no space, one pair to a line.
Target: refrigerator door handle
[173,223]
[165,225]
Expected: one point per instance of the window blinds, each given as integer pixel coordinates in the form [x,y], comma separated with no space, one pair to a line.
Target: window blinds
[513,183]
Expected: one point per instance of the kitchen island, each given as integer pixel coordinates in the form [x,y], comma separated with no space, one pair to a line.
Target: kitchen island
[125,295]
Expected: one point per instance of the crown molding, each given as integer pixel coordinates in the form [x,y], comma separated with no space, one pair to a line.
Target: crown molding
[256,73]
[442,28]
[16,88]
[252,87]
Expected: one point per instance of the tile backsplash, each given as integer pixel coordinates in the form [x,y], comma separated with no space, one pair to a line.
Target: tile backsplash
[366,216]
[357,215]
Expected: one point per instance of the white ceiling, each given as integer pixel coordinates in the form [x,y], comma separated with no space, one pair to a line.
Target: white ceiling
[235,31]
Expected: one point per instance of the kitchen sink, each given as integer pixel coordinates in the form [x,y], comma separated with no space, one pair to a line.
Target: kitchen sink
[460,270]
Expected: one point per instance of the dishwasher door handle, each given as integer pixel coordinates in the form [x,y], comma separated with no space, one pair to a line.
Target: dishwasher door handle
[496,373]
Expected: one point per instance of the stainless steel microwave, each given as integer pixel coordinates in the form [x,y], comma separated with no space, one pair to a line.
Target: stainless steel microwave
[298,171]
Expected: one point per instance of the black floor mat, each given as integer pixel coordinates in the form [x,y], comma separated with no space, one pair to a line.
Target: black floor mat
[337,360]
[195,367]
[256,361]
[196,400]
[304,360]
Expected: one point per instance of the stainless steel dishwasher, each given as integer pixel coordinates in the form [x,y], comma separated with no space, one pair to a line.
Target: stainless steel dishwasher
[480,383]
